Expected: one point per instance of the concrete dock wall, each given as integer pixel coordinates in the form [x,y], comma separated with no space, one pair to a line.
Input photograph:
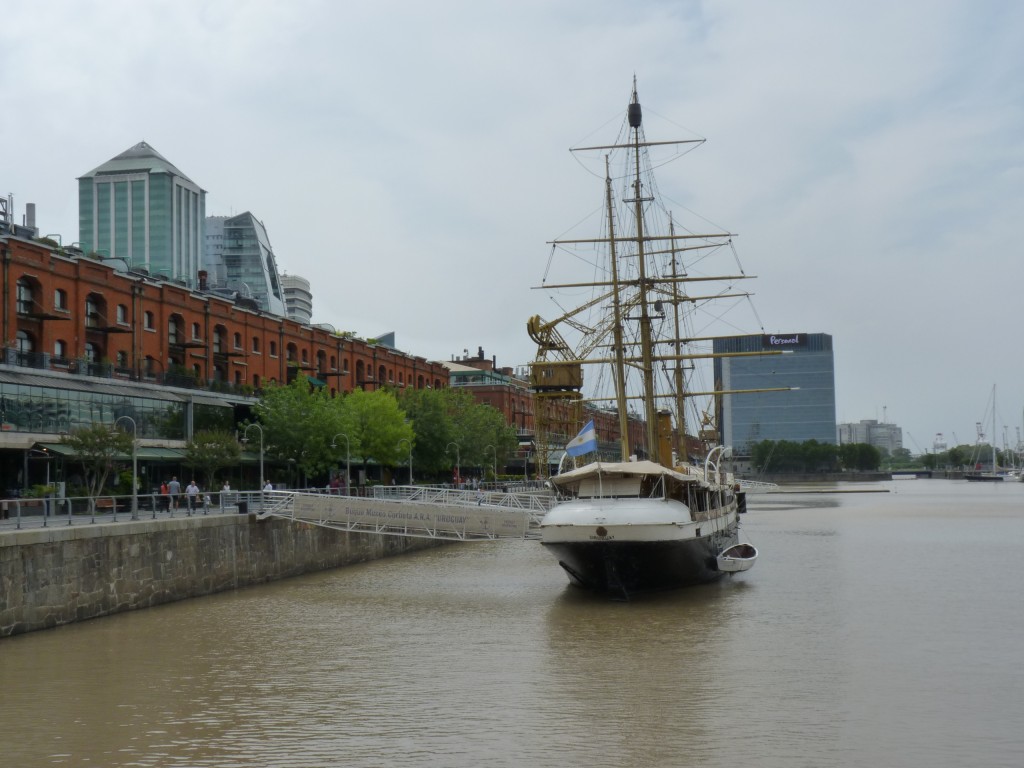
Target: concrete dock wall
[52,576]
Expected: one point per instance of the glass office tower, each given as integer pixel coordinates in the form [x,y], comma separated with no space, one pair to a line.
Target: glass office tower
[139,208]
[238,257]
[806,413]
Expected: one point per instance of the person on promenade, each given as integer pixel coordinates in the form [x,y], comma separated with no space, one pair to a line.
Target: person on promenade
[174,490]
[192,493]
[165,497]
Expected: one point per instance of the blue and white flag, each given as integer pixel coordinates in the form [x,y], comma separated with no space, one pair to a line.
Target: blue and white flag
[584,442]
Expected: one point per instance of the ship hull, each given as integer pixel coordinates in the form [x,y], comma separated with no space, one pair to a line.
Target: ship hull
[629,567]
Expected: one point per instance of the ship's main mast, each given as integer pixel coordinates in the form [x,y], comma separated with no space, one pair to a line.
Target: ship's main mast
[646,355]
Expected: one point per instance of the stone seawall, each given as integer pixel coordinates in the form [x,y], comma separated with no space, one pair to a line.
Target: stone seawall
[53,576]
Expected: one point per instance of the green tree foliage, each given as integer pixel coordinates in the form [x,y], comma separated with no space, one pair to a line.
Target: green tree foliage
[428,411]
[209,451]
[377,425]
[812,456]
[97,448]
[296,421]
[444,416]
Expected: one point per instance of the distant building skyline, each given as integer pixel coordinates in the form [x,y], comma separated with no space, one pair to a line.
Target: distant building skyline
[888,437]
[297,297]
[140,208]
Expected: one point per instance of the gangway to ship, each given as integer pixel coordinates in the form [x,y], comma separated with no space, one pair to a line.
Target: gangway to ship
[417,512]
[757,486]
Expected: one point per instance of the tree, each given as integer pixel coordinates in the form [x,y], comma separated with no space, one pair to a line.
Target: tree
[97,447]
[209,451]
[428,410]
[444,416]
[297,424]
[376,423]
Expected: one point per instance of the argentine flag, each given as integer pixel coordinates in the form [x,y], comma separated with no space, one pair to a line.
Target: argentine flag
[584,442]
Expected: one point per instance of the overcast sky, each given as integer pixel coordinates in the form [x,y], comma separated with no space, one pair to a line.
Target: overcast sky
[410,159]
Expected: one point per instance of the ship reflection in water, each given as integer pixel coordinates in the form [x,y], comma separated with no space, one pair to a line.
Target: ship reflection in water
[881,630]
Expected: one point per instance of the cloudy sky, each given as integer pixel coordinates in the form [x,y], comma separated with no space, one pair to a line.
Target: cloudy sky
[410,159]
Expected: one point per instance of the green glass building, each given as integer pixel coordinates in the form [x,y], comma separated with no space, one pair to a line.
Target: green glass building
[139,208]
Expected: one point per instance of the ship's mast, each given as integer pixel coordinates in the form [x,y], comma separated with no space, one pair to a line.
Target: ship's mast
[678,375]
[620,365]
[647,361]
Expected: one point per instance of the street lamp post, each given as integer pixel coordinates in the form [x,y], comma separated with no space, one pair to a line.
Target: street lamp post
[246,439]
[403,440]
[348,461]
[135,465]
[494,466]
[458,461]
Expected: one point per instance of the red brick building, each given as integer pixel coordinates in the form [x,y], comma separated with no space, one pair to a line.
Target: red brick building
[64,311]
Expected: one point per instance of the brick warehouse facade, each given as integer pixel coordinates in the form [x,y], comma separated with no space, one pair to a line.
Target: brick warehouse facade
[66,312]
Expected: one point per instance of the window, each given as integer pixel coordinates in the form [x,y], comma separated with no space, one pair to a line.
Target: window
[238,341]
[149,323]
[122,359]
[122,314]
[256,344]
[25,298]
[196,336]
[60,300]
[92,354]
[273,349]
[24,341]
[60,349]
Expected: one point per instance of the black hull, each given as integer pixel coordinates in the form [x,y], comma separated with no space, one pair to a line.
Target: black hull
[629,567]
[984,478]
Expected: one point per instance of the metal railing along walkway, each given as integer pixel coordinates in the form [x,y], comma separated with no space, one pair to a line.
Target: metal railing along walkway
[418,512]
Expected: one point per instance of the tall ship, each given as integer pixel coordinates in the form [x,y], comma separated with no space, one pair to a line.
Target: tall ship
[643,506]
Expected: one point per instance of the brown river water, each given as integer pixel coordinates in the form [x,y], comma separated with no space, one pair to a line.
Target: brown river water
[877,629]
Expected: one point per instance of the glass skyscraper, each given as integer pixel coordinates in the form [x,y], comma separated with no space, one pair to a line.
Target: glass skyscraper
[139,208]
[806,413]
[238,257]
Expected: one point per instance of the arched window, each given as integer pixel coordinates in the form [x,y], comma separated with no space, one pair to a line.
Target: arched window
[23,341]
[237,340]
[60,349]
[360,370]
[60,300]
[381,374]
[256,344]
[92,352]
[273,349]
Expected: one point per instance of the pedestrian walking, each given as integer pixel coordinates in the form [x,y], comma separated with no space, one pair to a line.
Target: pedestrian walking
[174,490]
[192,494]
